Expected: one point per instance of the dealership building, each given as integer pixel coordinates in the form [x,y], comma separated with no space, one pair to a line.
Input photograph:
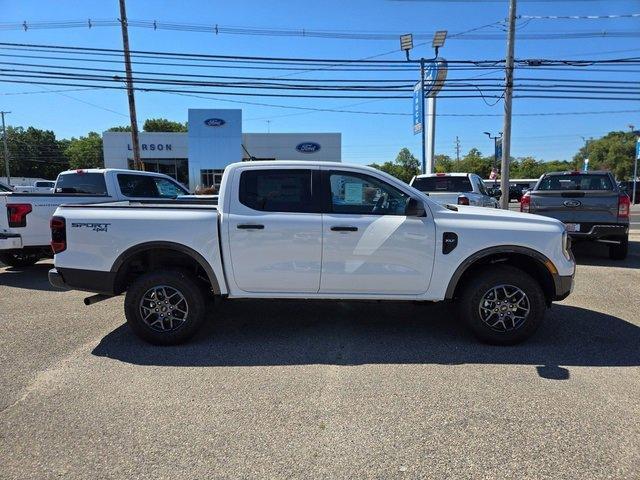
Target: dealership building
[215,140]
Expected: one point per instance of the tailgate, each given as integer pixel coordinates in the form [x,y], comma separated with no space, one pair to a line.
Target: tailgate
[443,198]
[576,206]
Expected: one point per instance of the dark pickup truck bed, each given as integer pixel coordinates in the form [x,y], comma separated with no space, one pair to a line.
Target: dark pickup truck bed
[590,204]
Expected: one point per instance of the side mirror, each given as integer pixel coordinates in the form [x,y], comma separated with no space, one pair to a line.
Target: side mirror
[415,208]
[496,193]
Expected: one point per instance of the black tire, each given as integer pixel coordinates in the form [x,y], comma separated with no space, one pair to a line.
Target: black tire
[168,330]
[507,331]
[19,259]
[620,251]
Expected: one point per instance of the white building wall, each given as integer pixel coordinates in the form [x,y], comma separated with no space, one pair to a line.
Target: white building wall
[282,146]
[117,147]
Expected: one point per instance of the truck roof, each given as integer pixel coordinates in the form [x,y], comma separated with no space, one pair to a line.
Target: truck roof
[577,172]
[451,174]
[107,170]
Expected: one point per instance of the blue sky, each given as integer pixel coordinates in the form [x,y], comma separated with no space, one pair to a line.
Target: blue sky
[366,138]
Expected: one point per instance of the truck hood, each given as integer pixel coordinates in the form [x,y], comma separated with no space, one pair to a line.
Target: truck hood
[496,216]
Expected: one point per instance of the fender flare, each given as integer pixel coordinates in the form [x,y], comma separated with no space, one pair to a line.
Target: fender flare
[501,249]
[136,249]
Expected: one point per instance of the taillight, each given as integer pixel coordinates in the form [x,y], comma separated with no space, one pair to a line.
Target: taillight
[525,203]
[17,213]
[624,204]
[463,200]
[58,234]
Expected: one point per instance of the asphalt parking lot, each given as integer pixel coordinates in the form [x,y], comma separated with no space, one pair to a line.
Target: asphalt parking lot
[322,390]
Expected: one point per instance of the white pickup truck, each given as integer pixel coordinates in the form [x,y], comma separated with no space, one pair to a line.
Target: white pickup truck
[24,217]
[455,188]
[311,230]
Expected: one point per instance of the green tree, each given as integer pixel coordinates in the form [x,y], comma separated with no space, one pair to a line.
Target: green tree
[33,153]
[444,164]
[120,128]
[405,166]
[474,162]
[614,151]
[163,125]
[85,152]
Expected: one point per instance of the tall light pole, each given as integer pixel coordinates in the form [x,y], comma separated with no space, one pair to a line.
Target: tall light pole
[406,44]
[495,151]
[135,142]
[6,149]
[508,94]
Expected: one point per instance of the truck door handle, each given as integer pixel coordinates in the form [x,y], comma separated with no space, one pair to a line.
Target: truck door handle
[344,229]
[250,226]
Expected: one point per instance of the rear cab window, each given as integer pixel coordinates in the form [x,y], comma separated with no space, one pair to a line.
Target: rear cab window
[442,184]
[87,183]
[279,190]
[580,181]
[148,186]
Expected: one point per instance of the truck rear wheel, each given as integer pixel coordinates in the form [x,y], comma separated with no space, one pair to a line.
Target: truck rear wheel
[19,259]
[620,251]
[502,305]
[165,307]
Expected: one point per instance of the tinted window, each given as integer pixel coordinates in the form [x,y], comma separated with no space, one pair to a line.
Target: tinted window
[442,184]
[81,183]
[277,190]
[362,194]
[44,184]
[148,186]
[582,181]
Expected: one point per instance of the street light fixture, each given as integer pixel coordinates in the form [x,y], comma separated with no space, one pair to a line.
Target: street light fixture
[438,40]
[406,43]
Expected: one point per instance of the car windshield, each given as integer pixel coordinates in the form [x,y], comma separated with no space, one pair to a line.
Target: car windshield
[581,181]
[442,184]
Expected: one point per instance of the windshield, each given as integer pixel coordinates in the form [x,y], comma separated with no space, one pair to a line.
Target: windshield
[580,181]
[92,183]
[442,184]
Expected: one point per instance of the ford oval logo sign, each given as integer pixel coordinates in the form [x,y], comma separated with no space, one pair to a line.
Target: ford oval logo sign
[214,122]
[572,203]
[308,147]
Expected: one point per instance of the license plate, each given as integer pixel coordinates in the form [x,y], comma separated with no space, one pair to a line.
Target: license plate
[573,227]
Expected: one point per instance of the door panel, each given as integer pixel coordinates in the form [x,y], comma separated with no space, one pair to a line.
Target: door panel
[281,253]
[275,230]
[387,254]
[369,245]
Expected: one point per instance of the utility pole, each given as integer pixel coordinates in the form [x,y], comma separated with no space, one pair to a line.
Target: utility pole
[422,130]
[508,93]
[457,152]
[137,163]
[635,164]
[6,149]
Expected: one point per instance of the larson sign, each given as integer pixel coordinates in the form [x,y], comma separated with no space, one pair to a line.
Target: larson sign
[153,147]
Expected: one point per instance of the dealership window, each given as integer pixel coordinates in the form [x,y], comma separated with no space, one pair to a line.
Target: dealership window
[176,168]
[277,190]
[211,177]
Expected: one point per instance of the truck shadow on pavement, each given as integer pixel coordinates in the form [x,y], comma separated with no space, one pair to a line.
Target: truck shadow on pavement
[263,333]
[597,254]
[31,278]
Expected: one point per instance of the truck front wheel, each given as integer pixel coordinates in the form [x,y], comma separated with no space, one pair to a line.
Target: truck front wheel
[502,305]
[165,307]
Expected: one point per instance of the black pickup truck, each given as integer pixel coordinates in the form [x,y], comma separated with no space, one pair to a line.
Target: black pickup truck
[590,204]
